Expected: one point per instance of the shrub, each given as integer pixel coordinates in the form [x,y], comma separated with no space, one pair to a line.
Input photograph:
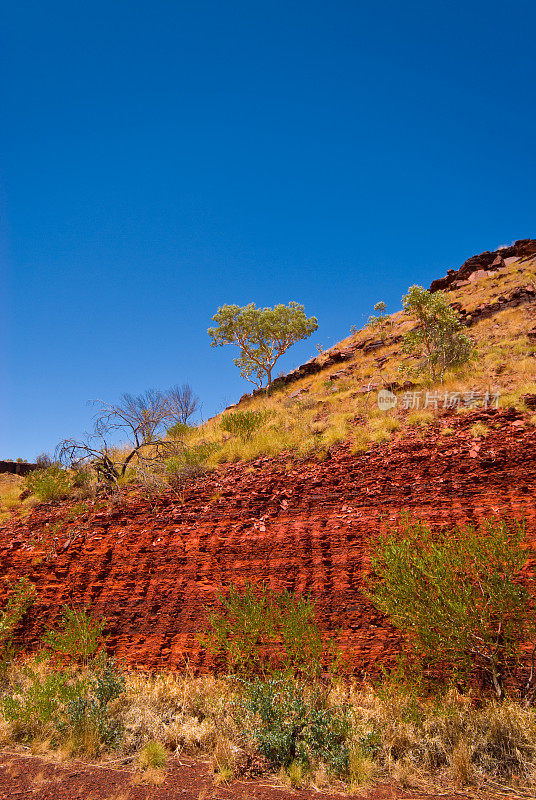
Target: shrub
[243,423]
[179,430]
[82,477]
[44,460]
[52,483]
[22,596]
[438,340]
[62,707]
[78,636]
[190,461]
[35,703]
[87,721]
[456,595]
[257,631]
[290,723]
[152,756]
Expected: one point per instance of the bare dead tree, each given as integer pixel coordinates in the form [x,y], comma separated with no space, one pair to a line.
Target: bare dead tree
[137,423]
[93,451]
[183,403]
[141,417]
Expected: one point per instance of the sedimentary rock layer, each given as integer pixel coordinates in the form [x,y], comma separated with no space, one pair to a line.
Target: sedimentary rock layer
[153,567]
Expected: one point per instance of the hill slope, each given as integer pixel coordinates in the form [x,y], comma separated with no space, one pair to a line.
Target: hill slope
[153,566]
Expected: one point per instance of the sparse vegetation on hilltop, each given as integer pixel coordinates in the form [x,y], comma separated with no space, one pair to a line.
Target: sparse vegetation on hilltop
[332,404]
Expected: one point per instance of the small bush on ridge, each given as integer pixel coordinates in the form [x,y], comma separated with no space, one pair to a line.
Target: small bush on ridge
[52,483]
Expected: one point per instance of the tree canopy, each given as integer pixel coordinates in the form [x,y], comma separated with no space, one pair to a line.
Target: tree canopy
[262,334]
[438,338]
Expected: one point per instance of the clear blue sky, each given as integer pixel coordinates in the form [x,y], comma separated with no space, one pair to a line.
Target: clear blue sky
[162,158]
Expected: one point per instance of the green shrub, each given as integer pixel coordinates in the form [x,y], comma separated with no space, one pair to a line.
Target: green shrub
[88,711]
[179,430]
[259,631]
[52,483]
[62,706]
[78,635]
[289,722]
[190,461]
[82,477]
[35,704]
[456,595]
[243,423]
[22,596]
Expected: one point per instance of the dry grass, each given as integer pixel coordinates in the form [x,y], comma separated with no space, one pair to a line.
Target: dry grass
[395,734]
[322,414]
[479,429]
[152,756]
[10,488]
[325,411]
[180,712]
[419,743]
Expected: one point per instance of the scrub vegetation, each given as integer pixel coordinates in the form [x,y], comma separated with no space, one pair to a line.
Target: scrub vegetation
[279,701]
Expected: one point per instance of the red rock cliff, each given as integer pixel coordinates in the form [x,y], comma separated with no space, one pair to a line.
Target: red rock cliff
[153,569]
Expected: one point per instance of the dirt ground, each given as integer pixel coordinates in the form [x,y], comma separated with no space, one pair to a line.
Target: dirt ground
[27,776]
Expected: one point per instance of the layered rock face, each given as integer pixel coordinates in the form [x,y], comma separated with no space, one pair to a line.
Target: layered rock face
[153,568]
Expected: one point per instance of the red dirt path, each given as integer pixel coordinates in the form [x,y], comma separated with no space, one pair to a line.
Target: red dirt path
[153,569]
[41,779]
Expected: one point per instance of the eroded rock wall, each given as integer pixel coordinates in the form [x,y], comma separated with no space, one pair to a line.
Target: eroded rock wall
[153,568]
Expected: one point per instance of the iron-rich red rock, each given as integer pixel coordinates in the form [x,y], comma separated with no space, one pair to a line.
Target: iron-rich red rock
[153,567]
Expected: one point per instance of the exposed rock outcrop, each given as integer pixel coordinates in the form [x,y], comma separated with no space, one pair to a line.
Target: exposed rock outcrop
[17,467]
[517,297]
[153,568]
[483,264]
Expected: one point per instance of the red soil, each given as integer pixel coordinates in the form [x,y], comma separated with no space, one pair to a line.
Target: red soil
[153,568]
[28,776]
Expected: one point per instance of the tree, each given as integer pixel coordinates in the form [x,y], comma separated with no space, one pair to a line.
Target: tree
[438,338]
[456,595]
[140,422]
[139,416]
[262,334]
[183,403]
[382,322]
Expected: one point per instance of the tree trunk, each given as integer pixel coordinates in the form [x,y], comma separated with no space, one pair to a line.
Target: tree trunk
[497,682]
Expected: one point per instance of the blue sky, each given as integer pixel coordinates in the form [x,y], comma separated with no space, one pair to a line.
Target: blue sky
[160,159]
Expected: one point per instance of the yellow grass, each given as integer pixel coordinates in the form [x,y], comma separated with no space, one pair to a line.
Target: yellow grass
[328,412]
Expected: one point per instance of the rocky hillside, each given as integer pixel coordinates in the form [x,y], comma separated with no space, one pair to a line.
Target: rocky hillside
[153,566]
